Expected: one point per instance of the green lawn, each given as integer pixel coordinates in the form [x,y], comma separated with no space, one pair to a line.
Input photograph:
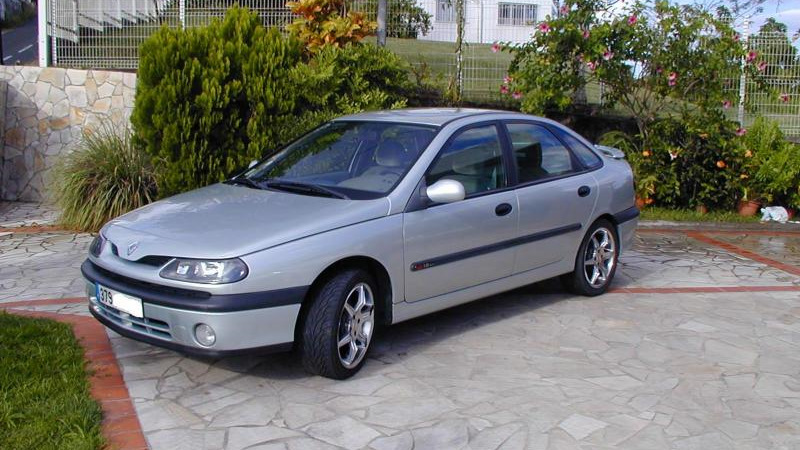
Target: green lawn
[690,215]
[44,392]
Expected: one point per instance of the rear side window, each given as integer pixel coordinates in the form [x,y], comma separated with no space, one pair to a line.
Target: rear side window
[586,156]
[538,153]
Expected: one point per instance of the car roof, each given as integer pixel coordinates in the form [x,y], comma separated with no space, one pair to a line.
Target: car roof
[426,116]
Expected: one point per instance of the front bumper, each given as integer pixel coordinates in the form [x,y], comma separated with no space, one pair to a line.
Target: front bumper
[243,324]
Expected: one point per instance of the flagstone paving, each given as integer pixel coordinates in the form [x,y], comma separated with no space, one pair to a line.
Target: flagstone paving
[532,369]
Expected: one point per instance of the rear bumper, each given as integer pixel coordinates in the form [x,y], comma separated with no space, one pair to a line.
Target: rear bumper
[626,227]
[238,331]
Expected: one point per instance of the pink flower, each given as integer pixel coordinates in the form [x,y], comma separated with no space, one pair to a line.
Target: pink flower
[591,65]
[726,104]
[736,37]
[672,82]
[507,79]
[608,54]
[544,27]
[762,66]
[495,47]
[672,79]
[586,34]
[516,95]
[659,70]
[564,9]
[751,56]
[741,132]
[784,97]
[632,20]
[504,89]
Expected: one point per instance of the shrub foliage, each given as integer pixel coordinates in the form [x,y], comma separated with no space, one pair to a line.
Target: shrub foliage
[211,99]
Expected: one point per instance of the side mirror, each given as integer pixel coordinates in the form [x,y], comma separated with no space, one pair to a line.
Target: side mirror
[252,164]
[446,191]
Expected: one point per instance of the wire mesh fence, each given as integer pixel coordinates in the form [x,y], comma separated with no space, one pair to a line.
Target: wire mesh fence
[778,59]
[107,34]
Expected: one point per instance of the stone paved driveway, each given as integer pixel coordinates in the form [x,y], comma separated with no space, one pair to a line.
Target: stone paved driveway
[697,347]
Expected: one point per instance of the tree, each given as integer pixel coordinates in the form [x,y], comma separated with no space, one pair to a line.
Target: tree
[653,59]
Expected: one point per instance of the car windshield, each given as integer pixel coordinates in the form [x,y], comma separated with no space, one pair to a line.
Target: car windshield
[344,159]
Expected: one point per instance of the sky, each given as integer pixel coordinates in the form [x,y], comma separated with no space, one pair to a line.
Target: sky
[786,11]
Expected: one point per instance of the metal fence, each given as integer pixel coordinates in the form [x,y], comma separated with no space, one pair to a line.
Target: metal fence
[777,56]
[107,34]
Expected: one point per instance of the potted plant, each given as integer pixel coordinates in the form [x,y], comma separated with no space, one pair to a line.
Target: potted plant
[748,206]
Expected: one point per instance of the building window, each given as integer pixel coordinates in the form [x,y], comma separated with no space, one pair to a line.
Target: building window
[518,14]
[445,11]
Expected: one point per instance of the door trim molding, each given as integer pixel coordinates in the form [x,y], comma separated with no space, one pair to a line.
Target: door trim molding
[502,245]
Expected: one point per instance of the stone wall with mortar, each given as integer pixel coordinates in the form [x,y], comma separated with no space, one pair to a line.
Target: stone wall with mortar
[47,110]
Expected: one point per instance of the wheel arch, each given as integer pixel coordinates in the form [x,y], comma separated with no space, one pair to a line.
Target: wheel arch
[373,267]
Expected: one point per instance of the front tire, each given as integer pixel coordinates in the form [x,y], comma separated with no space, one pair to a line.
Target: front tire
[596,262]
[339,325]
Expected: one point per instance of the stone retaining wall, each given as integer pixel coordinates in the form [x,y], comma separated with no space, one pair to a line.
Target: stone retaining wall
[46,112]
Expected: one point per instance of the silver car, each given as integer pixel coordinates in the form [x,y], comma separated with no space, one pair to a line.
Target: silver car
[369,220]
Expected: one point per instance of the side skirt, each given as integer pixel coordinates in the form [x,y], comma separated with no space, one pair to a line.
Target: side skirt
[405,311]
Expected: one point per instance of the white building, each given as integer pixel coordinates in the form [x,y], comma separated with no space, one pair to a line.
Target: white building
[487,21]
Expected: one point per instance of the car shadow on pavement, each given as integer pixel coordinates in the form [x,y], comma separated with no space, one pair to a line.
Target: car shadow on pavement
[396,343]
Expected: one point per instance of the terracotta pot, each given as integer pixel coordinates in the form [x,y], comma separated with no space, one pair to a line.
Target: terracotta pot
[640,202]
[702,209]
[747,207]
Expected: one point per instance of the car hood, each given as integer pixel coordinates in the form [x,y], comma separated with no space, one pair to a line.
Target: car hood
[225,221]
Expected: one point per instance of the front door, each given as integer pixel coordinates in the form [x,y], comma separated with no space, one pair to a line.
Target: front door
[454,246]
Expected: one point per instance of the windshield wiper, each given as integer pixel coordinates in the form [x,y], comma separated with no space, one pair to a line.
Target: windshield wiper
[244,181]
[305,188]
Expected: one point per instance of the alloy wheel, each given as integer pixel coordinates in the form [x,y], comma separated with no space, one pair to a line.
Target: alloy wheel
[356,324]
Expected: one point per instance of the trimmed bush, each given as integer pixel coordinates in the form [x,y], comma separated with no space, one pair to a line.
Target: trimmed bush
[211,99]
[104,177]
[203,94]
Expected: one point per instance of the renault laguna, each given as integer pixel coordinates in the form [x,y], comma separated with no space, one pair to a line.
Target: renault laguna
[369,220]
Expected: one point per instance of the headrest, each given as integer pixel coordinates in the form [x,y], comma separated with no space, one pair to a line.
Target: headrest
[470,161]
[390,153]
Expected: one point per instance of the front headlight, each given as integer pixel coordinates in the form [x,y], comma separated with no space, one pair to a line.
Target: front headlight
[96,247]
[205,271]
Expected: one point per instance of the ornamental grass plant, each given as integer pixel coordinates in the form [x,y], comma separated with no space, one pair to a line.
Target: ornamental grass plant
[105,176]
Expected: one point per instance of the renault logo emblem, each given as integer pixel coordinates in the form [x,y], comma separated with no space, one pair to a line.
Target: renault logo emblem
[132,247]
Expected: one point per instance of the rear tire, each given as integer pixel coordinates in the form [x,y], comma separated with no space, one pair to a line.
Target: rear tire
[339,325]
[596,261]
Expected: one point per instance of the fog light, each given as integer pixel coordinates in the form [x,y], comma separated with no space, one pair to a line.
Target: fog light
[205,335]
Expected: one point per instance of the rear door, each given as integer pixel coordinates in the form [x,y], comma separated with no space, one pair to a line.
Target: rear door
[556,193]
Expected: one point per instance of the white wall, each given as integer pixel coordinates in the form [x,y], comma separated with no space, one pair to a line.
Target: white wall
[481,22]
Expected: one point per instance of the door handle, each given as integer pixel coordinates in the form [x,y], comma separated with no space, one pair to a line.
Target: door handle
[503,209]
[583,191]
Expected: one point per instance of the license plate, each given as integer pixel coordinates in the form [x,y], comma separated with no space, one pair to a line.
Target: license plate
[120,301]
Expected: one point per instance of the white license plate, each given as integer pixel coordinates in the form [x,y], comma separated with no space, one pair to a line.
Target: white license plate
[120,301]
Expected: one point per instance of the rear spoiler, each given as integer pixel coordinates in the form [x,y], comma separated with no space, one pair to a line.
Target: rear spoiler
[611,152]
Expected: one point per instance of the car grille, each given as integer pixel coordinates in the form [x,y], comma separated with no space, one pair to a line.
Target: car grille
[152,327]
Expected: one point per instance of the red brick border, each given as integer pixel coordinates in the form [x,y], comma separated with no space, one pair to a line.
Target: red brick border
[789,233]
[121,426]
[702,237]
[45,302]
[35,229]
[703,289]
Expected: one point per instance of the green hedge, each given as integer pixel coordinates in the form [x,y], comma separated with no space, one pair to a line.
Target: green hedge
[211,99]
